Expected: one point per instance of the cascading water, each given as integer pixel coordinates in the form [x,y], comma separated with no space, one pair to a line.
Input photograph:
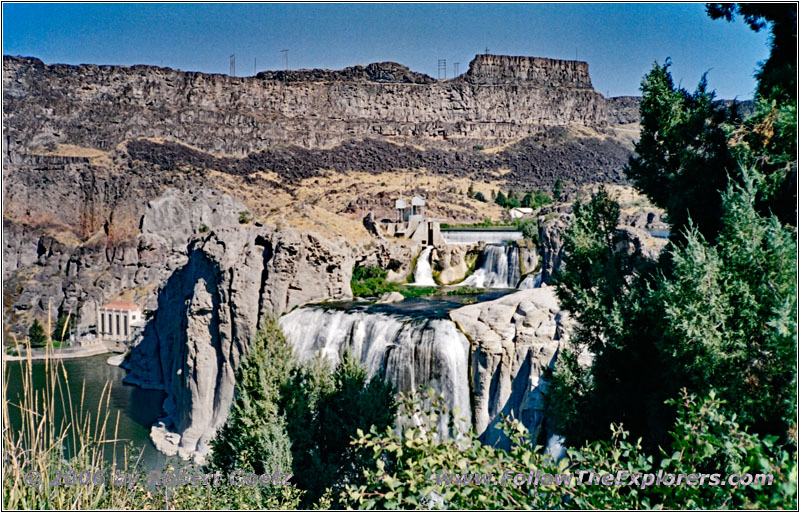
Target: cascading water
[423,275]
[499,268]
[413,353]
[531,281]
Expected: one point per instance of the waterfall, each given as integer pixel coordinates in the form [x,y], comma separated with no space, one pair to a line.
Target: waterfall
[422,271]
[499,268]
[531,281]
[412,353]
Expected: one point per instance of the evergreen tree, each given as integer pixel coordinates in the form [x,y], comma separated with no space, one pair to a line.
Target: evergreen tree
[325,413]
[470,191]
[500,199]
[480,197]
[36,334]
[63,329]
[558,189]
[254,436]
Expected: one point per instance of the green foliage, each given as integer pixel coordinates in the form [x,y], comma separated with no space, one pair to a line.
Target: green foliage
[254,436]
[536,199]
[470,191]
[682,157]
[477,147]
[480,197]
[36,334]
[500,199]
[204,228]
[558,189]
[371,281]
[245,217]
[704,439]
[729,313]
[62,329]
[718,316]
[529,229]
[325,412]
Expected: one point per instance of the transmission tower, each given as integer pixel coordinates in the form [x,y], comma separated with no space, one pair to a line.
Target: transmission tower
[233,65]
[285,59]
[455,69]
[442,68]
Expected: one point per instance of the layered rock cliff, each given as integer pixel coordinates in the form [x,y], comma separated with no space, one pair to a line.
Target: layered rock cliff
[500,98]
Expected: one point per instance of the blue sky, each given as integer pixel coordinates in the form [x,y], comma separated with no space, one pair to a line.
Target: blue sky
[620,41]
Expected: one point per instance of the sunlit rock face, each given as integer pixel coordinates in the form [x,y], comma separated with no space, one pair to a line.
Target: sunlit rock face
[514,340]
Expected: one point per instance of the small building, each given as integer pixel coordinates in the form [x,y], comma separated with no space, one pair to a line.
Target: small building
[417,209]
[117,321]
[402,210]
[519,212]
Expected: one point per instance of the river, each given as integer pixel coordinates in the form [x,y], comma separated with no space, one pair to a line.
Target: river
[138,409]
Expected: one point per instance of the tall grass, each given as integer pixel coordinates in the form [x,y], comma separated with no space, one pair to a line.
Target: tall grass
[83,438]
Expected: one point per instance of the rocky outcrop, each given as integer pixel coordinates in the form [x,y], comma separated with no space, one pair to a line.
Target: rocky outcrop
[453,262]
[512,341]
[623,110]
[505,69]
[208,311]
[550,235]
[380,72]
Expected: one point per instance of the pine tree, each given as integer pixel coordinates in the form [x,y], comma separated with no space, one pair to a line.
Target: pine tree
[254,436]
[558,189]
[36,334]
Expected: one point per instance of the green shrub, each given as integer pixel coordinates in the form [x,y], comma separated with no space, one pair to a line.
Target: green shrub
[245,217]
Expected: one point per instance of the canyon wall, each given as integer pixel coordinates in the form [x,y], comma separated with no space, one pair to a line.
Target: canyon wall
[500,98]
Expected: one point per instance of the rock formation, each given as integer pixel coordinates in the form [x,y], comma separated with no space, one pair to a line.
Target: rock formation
[512,341]
[208,311]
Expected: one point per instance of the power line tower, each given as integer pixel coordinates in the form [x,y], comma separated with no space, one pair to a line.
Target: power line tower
[486,52]
[254,65]
[285,59]
[455,69]
[233,65]
[442,68]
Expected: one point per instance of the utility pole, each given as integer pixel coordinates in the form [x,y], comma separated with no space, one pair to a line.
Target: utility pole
[442,68]
[455,69]
[233,65]
[486,52]
[254,66]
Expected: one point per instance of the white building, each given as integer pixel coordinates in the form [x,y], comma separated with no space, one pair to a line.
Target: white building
[417,209]
[519,212]
[118,320]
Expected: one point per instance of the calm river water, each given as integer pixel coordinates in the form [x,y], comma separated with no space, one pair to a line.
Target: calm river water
[138,409]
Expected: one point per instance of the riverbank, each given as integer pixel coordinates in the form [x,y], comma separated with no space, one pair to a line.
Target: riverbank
[63,354]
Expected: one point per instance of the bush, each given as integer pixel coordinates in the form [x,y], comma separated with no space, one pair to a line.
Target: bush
[411,467]
[480,197]
[478,147]
[245,217]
